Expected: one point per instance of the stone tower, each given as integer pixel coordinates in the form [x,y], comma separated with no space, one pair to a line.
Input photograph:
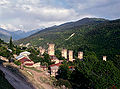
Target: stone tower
[42,50]
[104,58]
[51,50]
[71,55]
[80,55]
[64,53]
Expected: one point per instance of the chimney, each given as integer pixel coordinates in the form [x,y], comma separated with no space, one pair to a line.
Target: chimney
[80,55]
[71,55]
[64,53]
[51,50]
[104,58]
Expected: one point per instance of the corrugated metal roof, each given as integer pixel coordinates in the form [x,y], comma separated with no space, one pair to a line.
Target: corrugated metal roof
[20,56]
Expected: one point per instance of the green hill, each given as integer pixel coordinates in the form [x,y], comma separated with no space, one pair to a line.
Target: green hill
[92,34]
[59,33]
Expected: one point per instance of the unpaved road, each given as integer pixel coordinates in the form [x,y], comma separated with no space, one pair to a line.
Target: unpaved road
[16,81]
[37,75]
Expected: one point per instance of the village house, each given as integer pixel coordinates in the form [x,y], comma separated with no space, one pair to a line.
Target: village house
[24,59]
[27,45]
[54,59]
[26,62]
[43,68]
[67,54]
[54,69]
[37,65]
[25,53]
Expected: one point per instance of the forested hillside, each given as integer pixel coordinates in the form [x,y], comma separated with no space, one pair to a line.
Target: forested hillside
[98,35]
[61,33]
[96,39]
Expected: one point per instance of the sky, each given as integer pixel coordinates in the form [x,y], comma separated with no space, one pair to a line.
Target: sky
[28,15]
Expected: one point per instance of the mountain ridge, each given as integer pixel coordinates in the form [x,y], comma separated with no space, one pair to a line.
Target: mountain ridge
[103,38]
[67,25]
[5,34]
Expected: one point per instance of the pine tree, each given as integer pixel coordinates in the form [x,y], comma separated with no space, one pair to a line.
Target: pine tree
[11,43]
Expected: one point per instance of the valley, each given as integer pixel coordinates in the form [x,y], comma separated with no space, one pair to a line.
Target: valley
[59,44]
[5,34]
[76,55]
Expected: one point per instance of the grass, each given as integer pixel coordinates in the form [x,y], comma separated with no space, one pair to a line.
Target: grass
[32,68]
[43,79]
[46,80]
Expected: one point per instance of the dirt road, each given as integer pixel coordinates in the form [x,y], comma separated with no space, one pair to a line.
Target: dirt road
[37,75]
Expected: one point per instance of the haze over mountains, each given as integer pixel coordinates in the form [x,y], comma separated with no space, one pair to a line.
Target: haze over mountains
[5,34]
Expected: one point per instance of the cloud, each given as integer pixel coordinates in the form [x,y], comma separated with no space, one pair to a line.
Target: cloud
[33,14]
[9,27]
[4,2]
[98,8]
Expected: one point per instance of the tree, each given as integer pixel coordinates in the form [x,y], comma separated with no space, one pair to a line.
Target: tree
[59,55]
[64,71]
[35,58]
[79,79]
[100,74]
[17,62]
[105,75]
[11,43]
[62,82]
[47,59]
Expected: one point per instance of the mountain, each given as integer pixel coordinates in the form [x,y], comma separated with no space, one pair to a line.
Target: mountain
[16,35]
[66,26]
[22,34]
[101,38]
[61,32]
[4,34]
[98,35]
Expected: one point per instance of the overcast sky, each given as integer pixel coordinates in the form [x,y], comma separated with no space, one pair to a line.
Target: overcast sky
[32,14]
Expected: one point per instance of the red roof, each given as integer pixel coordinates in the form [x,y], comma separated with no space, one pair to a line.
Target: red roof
[71,66]
[58,64]
[53,59]
[29,64]
[43,66]
[24,59]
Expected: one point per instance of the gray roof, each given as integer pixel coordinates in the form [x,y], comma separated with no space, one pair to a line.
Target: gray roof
[20,56]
